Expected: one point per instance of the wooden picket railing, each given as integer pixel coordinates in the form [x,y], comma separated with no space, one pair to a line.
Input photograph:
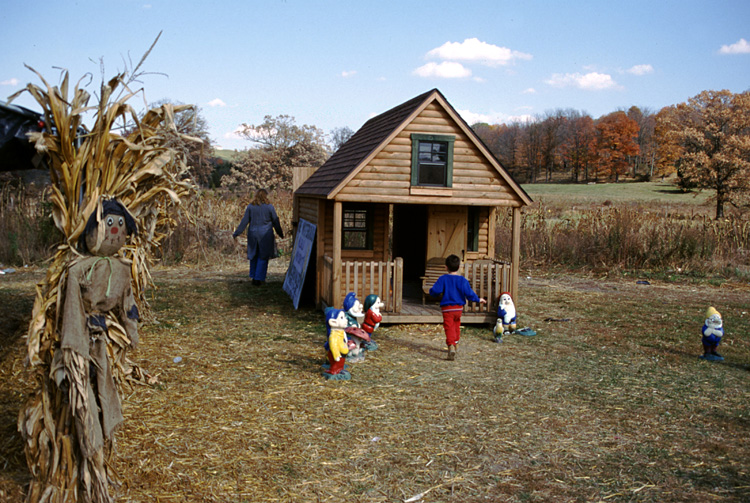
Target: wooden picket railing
[384,279]
[488,278]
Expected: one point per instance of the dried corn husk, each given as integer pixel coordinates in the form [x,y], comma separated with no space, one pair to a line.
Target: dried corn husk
[150,179]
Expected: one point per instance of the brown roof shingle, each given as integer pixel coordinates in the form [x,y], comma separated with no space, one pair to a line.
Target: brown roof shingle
[360,145]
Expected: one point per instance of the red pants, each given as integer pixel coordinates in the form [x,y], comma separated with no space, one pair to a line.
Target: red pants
[452,323]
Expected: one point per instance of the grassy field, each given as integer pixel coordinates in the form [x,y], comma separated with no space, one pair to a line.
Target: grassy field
[612,405]
[227,155]
[663,193]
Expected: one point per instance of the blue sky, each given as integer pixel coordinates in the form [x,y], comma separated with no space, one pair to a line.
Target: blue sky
[337,63]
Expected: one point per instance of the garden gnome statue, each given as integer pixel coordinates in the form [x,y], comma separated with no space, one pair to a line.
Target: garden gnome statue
[713,331]
[98,304]
[355,315]
[372,307]
[337,346]
[506,317]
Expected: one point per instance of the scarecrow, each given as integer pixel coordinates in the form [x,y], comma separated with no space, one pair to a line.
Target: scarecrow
[98,294]
[85,318]
[712,331]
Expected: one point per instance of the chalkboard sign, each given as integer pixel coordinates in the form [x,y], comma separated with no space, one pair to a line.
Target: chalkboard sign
[295,274]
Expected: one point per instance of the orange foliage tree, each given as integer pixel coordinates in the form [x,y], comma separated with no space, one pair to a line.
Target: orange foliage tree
[713,131]
[616,140]
[579,146]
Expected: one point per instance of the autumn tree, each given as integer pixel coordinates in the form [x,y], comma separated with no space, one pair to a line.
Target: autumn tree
[579,144]
[644,162]
[281,145]
[668,148]
[531,149]
[616,140]
[713,130]
[551,129]
[504,141]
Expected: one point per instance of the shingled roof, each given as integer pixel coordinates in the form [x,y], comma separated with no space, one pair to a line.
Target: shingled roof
[374,135]
[366,140]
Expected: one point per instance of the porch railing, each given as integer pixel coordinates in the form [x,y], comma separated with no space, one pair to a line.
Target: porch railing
[488,278]
[385,279]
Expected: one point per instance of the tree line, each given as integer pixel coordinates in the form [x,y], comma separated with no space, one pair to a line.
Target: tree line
[704,141]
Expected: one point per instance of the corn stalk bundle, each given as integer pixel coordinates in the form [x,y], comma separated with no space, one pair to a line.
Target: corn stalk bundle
[139,169]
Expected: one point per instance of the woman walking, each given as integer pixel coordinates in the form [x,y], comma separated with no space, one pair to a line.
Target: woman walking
[261,220]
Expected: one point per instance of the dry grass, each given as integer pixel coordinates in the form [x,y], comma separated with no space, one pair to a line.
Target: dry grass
[611,406]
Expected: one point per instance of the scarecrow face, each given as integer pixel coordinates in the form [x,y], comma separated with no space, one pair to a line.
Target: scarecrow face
[115,235]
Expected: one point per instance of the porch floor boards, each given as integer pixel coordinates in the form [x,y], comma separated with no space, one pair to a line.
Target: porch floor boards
[412,311]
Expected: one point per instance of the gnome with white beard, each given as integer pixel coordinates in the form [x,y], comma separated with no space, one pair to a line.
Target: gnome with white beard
[506,317]
[712,331]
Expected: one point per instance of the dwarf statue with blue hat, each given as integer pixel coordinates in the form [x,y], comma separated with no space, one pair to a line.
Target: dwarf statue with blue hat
[337,346]
[712,331]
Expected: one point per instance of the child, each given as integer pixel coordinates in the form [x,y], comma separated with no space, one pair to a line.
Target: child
[455,290]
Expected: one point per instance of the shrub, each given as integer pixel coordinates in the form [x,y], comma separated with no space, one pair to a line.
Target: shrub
[628,237]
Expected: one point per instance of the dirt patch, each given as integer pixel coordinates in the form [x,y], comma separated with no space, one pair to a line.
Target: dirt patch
[612,405]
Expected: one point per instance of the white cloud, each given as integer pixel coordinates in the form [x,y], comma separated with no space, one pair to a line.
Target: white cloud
[530,90]
[444,70]
[235,135]
[349,73]
[742,46]
[217,102]
[493,118]
[9,82]
[593,81]
[641,69]
[474,50]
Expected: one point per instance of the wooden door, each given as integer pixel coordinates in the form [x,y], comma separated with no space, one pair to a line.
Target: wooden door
[446,231]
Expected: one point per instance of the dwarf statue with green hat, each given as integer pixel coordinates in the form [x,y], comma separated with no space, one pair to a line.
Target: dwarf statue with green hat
[713,331]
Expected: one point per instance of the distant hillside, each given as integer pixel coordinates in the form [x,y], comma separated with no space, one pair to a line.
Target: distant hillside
[227,155]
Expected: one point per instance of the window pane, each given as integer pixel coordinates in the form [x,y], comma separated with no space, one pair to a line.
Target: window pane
[355,233]
[431,174]
[354,239]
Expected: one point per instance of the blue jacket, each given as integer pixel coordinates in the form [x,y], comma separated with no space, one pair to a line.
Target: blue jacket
[262,220]
[455,289]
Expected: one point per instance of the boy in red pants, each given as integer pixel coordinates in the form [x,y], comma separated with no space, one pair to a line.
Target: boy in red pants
[455,290]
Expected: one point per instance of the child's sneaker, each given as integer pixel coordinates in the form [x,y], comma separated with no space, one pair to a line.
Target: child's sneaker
[451,352]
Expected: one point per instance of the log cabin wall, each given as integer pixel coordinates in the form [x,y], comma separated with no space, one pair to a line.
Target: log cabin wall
[379,238]
[307,208]
[483,249]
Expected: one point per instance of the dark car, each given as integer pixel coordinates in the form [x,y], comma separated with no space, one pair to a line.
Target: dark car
[17,153]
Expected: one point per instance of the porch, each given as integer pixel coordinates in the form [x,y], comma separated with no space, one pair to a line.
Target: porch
[403,300]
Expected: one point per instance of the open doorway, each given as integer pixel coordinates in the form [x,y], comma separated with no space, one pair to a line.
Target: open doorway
[410,242]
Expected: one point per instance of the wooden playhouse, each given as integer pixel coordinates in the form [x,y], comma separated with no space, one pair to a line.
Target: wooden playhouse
[410,187]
